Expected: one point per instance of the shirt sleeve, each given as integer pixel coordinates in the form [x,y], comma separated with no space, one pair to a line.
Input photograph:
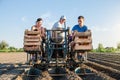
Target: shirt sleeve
[33,28]
[86,28]
[55,26]
[73,28]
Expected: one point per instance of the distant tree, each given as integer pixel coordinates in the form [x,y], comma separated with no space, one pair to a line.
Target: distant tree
[110,49]
[3,45]
[118,46]
[20,50]
[100,48]
[12,49]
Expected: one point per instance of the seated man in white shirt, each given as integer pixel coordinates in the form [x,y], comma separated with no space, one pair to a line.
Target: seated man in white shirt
[58,36]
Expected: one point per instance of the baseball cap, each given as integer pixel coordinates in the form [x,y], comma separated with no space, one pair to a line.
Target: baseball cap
[63,17]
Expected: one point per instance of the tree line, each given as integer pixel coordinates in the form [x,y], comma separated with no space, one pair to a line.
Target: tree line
[4,47]
[101,48]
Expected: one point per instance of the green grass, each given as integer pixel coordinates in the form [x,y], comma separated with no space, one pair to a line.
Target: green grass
[7,50]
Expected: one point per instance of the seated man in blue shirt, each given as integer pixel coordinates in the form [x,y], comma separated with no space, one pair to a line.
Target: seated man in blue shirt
[80,27]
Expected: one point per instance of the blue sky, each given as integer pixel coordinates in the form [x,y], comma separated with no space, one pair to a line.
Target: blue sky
[101,16]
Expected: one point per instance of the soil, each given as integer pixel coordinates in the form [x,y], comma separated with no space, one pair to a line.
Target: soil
[13,57]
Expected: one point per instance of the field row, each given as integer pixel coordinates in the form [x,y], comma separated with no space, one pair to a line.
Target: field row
[108,64]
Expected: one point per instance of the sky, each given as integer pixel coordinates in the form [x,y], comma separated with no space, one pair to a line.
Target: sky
[102,17]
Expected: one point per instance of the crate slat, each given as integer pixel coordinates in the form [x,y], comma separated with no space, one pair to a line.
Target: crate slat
[32,40]
[80,34]
[83,47]
[31,32]
[83,41]
[34,43]
[32,37]
[32,49]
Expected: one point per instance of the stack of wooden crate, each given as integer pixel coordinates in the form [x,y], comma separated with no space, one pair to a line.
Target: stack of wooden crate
[82,40]
[32,40]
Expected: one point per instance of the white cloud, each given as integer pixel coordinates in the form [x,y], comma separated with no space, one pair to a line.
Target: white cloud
[115,32]
[97,28]
[108,35]
[116,28]
[24,19]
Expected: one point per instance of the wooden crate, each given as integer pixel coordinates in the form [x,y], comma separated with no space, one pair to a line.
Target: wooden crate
[82,41]
[32,40]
